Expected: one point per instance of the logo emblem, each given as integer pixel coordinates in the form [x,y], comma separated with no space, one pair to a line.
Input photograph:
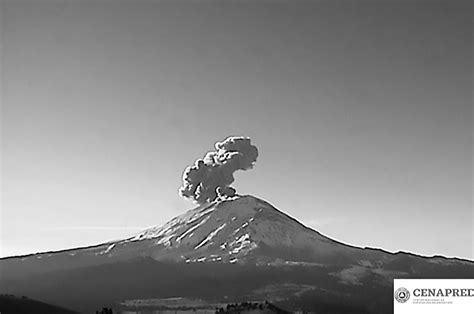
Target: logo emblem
[402,295]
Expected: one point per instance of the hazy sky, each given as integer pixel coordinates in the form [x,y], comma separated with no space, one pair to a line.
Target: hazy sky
[362,113]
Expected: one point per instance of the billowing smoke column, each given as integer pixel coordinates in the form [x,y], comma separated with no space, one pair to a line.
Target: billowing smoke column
[212,176]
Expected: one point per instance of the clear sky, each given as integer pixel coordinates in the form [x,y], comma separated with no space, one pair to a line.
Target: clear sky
[362,113]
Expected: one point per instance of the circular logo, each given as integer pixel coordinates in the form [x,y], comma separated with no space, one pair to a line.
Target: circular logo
[402,295]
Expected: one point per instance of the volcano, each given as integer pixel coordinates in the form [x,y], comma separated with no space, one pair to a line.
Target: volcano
[231,250]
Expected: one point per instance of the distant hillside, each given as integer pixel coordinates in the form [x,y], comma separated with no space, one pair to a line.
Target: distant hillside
[10,304]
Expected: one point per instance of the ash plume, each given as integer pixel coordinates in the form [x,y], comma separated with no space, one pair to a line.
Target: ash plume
[211,176]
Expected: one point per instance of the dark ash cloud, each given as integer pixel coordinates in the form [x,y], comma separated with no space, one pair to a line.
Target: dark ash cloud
[211,176]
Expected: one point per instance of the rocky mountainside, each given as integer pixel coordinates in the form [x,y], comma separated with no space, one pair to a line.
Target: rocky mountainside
[240,248]
[242,229]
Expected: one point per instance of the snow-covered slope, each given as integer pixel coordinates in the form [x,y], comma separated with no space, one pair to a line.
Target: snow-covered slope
[241,247]
[240,229]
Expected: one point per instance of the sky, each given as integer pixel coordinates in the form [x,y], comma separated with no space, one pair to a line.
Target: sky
[361,111]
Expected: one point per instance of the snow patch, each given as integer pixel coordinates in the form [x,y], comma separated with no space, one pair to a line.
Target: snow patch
[200,214]
[242,243]
[243,238]
[109,248]
[217,259]
[190,230]
[166,241]
[210,236]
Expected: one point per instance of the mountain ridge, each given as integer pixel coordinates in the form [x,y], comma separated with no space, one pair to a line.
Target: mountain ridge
[216,203]
[232,250]
[219,202]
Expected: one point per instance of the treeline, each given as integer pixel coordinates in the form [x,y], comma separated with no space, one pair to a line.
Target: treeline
[235,308]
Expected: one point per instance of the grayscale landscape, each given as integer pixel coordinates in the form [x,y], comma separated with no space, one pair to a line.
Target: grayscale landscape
[233,156]
[234,250]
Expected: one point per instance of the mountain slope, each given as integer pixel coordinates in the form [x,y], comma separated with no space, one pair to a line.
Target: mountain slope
[10,304]
[240,248]
[243,229]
